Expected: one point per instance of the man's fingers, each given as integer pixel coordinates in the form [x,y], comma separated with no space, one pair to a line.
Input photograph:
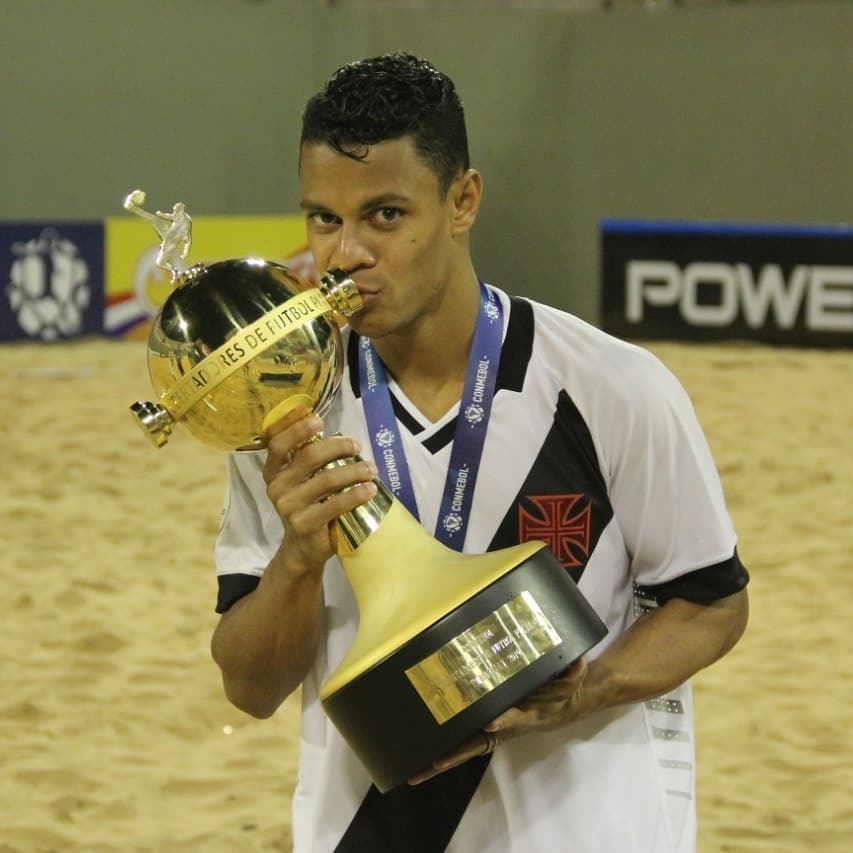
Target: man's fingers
[480,744]
[294,453]
[544,707]
[315,502]
[287,421]
[510,719]
[544,703]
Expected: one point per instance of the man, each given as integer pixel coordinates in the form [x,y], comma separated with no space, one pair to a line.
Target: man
[578,423]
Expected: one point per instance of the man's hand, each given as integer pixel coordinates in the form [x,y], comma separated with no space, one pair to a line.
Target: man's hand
[307,496]
[555,703]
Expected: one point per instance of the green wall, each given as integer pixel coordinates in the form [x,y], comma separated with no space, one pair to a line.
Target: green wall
[729,112]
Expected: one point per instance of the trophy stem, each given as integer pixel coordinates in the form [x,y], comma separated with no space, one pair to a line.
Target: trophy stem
[355,526]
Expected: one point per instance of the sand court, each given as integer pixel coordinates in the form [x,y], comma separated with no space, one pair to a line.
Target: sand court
[116,735]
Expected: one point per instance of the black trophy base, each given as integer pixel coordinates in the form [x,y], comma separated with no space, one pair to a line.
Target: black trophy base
[391,728]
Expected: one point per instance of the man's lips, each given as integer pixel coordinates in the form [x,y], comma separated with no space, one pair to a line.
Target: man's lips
[367,290]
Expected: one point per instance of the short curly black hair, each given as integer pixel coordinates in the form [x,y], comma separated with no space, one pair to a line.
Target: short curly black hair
[388,97]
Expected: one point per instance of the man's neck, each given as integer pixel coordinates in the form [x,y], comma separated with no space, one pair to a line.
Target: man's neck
[430,362]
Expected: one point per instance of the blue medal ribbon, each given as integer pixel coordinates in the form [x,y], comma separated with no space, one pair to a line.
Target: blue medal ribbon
[472,422]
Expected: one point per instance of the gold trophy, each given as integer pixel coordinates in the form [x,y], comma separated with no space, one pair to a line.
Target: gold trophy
[446,641]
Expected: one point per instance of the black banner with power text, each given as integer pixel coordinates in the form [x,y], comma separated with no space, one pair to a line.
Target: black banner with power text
[709,281]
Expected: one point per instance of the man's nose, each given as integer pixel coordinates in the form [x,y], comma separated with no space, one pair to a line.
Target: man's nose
[350,251]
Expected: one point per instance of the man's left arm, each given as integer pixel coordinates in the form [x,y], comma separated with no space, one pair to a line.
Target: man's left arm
[660,651]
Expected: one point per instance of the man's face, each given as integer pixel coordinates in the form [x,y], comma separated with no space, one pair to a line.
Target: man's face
[383,221]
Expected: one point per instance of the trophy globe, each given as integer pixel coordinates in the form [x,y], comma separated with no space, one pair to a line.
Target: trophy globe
[238,343]
[446,642]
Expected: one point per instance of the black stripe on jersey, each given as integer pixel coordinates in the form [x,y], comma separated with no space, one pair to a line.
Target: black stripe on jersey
[701,586]
[517,346]
[414,818]
[442,437]
[407,420]
[352,364]
[563,500]
[232,588]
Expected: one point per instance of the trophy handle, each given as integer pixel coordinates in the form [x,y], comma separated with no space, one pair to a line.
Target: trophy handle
[154,420]
[341,292]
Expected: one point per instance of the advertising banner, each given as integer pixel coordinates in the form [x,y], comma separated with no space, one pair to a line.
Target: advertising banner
[52,285]
[136,287]
[706,282]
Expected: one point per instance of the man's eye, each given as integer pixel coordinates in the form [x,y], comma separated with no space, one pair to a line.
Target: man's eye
[321,217]
[387,215]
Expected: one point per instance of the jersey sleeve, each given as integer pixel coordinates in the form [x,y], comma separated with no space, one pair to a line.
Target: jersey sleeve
[250,531]
[666,493]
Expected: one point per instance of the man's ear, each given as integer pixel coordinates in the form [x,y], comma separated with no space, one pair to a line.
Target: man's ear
[465,195]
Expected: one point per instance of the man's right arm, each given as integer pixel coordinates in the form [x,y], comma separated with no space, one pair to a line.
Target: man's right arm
[266,642]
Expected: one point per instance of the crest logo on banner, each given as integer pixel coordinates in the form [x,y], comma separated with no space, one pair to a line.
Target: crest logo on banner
[50,288]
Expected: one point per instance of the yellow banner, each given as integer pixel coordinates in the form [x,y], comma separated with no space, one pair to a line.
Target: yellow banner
[135,288]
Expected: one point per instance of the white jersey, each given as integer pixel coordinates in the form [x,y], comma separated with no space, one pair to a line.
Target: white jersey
[592,446]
